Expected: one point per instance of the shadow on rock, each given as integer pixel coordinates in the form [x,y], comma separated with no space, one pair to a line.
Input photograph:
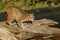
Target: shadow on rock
[3,16]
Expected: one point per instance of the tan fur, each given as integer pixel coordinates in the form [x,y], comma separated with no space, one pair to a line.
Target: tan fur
[19,15]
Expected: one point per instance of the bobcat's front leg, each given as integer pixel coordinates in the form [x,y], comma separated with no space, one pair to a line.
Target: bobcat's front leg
[21,25]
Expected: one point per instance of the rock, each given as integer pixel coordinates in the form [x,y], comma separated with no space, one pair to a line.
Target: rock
[45,22]
[30,30]
[25,35]
[40,26]
[31,36]
[37,26]
[6,35]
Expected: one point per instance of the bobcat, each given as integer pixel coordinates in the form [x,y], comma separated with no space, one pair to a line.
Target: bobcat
[15,13]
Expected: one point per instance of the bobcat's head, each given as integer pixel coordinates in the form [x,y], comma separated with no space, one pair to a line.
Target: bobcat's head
[31,17]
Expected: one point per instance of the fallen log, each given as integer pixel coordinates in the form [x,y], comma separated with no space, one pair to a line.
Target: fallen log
[37,28]
[41,26]
[6,35]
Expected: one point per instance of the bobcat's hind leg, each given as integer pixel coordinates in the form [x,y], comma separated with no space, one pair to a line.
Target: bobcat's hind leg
[9,21]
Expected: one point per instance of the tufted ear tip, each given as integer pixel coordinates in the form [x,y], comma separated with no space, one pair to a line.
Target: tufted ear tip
[32,13]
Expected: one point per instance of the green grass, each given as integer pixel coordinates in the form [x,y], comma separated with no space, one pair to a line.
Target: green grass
[22,6]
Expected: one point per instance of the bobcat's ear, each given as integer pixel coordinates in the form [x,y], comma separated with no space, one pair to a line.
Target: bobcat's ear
[32,13]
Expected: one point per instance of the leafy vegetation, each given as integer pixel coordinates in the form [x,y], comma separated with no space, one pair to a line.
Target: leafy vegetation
[28,4]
